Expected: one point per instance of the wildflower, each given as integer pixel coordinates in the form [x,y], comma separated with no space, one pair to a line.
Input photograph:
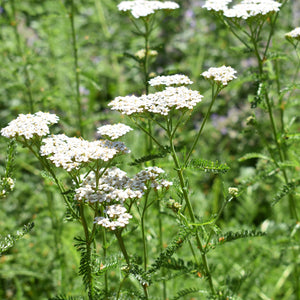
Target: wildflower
[113,185]
[114,131]
[294,34]
[158,103]
[142,8]
[233,191]
[216,5]
[71,153]
[251,8]
[170,80]
[30,125]
[221,76]
[116,217]
[141,53]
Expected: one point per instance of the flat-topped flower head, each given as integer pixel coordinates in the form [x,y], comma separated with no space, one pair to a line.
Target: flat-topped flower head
[158,103]
[170,80]
[252,8]
[113,186]
[71,153]
[116,216]
[216,5]
[30,125]
[114,131]
[294,34]
[142,8]
[222,75]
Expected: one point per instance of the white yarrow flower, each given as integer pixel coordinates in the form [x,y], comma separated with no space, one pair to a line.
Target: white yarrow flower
[216,5]
[116,217]
[30,125]
[158,103]
[294,34]
[114,131]
[142,8]
[252,8]
[71,153]
[222,75]
[177,79]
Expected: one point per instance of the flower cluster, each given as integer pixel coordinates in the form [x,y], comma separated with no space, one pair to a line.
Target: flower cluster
[216,5]
[115,187]
[222,75]
[30,125]
[117,217]
[294,34]
[142,8]
[7,184]
[158,103]
[71,153]
[177,79]
[141,53]
[114,131]
[244,10]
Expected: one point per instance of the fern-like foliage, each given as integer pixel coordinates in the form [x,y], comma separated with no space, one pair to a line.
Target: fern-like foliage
[85,268]
[151,157]
[109,263]
[188,291]
[232,236]
[209,166]
[64,297]
[140,275]
[132,294]
[9,241]
[285,190]
[167,253]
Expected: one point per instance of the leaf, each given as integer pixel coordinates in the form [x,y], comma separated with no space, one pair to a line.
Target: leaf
[9,240]
[175,244]
[254,155]
[285,190]
[188,291]
[209,166]
[150,157]
[232,236]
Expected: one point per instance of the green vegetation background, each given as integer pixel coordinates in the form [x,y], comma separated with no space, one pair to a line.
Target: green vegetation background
[36,59]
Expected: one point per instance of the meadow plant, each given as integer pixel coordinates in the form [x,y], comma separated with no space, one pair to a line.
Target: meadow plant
[152,227]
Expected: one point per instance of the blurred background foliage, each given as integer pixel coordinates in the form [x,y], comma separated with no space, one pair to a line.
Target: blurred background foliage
[37,62]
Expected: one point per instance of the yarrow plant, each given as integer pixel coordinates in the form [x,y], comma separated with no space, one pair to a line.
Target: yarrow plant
[222,75]
[103,191]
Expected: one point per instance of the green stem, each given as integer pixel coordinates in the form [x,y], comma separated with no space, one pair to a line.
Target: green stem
[214,96]
[22,55]
[76,69]
[143,231]
[191,213]
[118,234]
[90,284]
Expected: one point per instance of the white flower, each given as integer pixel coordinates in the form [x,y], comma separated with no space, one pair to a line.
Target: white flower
[216,5]
[142,8]
[141,53]
[233,191]
[222,75]
[158,103]
[30,125]
[116,217]
[114,131]
[251,8]
[294,34]
[71,153]
[177,79]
